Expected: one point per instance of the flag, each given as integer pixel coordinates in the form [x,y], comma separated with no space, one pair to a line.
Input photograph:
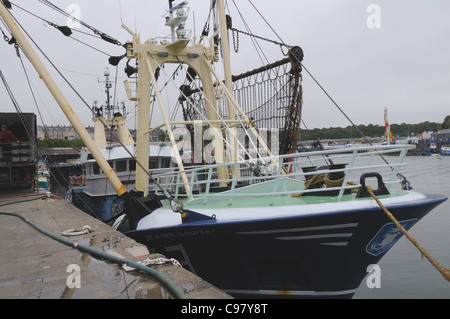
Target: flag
[387,128]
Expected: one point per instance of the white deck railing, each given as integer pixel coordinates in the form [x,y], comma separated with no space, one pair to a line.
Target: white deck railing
[203,180]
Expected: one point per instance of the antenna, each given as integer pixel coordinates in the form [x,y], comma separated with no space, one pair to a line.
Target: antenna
[195,38]
[120,10]
[135,22]
[177,22]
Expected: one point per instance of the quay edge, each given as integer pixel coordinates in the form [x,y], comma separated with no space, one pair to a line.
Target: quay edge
[35,266]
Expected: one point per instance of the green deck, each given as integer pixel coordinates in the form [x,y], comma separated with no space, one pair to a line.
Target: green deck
[259,195]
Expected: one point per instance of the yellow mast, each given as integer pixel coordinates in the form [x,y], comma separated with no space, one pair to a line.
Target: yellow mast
[228,80]
[151,56]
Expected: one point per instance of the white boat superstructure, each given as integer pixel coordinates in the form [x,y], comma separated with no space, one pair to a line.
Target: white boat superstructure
[95,182]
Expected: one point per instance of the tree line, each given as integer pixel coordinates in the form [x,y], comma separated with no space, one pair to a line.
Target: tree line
[371,130]
[55,142]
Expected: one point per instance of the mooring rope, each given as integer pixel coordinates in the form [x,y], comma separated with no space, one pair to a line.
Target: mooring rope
[444,271]
[323,179]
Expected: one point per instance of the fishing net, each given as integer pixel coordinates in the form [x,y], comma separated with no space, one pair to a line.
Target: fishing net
[271,96]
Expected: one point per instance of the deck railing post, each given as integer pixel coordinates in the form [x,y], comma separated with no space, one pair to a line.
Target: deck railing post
[347,172]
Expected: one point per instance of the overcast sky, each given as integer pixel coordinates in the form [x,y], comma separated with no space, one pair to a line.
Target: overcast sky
[368,55]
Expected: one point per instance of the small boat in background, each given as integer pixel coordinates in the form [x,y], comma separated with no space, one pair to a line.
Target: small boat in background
[445,150]
[43,175]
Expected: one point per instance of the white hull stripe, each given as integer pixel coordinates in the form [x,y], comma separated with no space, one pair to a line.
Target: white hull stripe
[291,230]
[315,236]
[344,243]
[291,292]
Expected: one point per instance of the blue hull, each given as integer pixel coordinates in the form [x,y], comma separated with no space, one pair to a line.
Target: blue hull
[102,207]
[322,256]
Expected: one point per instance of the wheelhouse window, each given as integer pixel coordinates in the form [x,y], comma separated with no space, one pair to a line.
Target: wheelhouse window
[153,163]
[121,166]
[165,162]
[96,169]
[132,165]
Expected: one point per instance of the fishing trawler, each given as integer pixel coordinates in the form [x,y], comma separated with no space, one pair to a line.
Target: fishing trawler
[248,213]
[91,191]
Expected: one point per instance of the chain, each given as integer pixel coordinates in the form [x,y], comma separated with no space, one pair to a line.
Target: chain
[156,261]
[161,261]
[5,37]
[235,41]
[11,41]
[262,38]
[16,46]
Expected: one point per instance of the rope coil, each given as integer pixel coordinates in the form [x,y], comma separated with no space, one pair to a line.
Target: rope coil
[324,180]
[86,229]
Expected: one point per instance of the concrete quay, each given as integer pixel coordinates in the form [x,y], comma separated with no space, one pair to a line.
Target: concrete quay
[36,266]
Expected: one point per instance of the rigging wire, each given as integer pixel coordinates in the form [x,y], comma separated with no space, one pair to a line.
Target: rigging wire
[40,150]
[310,74]
[103,35]
[66,31]
[27,77]
[19,112]
[176,205]
[267,23]
[255,43]
[16,105]
[90,46]
[222,119]
[259,49]
[342,111]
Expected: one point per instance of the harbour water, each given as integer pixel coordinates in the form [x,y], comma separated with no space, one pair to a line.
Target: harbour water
[405,275]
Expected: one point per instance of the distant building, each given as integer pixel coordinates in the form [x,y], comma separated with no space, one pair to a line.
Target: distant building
[60,155]
[154,136]
[61,132]
[444,135]
[40,132]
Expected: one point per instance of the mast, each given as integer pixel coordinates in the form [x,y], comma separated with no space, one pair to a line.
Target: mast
[228,88]
[61,100]
[99,119]
[151,55]
[110,115]
[225,54]
[228,79]
[168,127]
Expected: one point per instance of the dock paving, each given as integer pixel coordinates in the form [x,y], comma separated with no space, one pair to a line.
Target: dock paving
[36,266]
